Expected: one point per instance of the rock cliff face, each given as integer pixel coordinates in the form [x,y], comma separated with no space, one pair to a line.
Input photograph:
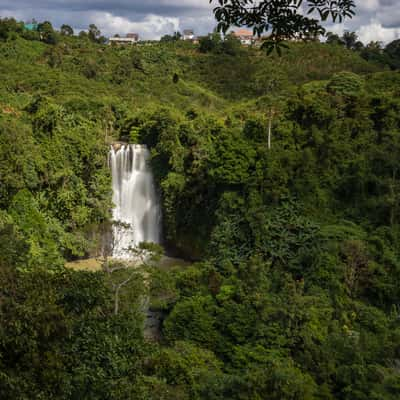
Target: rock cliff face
[117,145]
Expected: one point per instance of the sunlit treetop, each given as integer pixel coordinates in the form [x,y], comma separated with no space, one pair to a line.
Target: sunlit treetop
[281,19]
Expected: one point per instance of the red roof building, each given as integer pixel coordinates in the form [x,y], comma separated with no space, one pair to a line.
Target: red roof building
[245,36]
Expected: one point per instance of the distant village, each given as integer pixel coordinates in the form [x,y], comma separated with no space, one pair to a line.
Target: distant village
[246,37]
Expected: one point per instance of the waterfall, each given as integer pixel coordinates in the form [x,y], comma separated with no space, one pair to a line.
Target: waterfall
[135,198]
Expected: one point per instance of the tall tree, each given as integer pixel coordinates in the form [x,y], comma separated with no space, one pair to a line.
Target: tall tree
[94,33]
[393,51]
[351,41]
[66,30]
[47,33]
[284,19]
[7,26]
[333,38]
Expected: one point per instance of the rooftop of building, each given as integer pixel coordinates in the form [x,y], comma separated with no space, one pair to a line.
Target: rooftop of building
[243,32]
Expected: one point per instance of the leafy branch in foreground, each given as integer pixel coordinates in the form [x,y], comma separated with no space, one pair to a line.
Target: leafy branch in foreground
[284,19]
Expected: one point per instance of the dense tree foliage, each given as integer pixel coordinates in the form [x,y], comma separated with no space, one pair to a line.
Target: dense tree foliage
[66,30]
[374,51]
[393,51]
[295,291]
[171,38]
[282,20]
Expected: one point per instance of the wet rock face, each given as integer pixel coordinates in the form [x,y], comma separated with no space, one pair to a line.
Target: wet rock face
[152,324]
[117,146]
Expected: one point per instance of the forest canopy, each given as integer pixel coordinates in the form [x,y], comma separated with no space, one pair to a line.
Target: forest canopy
[281,20]
[280,186]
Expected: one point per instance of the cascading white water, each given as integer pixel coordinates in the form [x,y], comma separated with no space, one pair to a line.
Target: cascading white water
[136,202]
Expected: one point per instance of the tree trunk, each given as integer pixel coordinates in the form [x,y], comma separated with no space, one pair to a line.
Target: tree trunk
[269,131]
[270,120]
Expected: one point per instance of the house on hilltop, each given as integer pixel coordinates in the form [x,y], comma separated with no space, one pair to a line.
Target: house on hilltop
[130,38]
[188,34]
[31,26]
[245,36]
[134,36]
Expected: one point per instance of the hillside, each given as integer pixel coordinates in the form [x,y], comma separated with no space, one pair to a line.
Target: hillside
[279,179]
[144,74]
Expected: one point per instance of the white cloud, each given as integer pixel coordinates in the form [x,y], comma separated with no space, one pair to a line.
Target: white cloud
[374,19]
[187,3]
[367,5]
[151,27]
[374,31]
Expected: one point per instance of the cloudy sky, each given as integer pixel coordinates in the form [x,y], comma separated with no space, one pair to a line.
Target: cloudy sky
[375,20]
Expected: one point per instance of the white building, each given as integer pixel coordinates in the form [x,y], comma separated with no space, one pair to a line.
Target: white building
[130,38]
[188,34]
[246,37]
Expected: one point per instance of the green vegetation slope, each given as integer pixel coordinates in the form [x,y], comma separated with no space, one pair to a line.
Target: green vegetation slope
[297,290]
